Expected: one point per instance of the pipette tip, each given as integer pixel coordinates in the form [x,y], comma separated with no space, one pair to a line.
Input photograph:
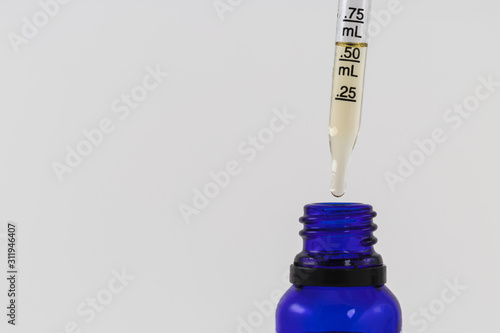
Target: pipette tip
[337,194]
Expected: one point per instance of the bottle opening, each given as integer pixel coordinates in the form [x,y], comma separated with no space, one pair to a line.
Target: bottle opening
[338,245]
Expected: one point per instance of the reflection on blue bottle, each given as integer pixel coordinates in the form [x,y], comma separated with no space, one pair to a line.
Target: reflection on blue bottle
[338,279]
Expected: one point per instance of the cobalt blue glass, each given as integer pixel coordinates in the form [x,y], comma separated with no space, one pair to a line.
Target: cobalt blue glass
[338,278]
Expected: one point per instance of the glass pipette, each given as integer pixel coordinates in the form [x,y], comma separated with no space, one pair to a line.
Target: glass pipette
[348,77]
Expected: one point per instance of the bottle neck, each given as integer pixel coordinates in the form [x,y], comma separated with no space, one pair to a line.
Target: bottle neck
[338,235]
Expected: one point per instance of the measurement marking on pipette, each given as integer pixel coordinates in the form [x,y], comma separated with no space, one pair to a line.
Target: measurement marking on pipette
[354,21]
[360,15]
[347,71]
[351,60]
[351,32]
[345,99]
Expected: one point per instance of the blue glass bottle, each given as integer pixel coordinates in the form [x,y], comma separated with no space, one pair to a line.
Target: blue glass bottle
[338,279]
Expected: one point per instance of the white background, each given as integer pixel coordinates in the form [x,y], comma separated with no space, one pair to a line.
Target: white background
[119,209]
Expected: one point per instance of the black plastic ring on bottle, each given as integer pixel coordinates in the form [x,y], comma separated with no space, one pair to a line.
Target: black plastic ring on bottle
[343,277]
